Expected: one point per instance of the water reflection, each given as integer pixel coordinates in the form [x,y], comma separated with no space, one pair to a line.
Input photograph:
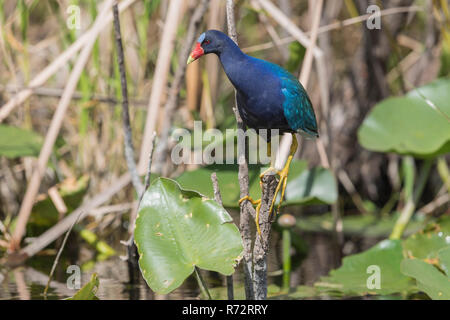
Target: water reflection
[26,283]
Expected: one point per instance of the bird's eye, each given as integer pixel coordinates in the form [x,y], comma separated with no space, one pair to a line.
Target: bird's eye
[207,42]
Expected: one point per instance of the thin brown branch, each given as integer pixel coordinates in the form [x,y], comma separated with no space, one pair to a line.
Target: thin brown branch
[128,141]
[218,198]
[55,263]
[245,207]
[261,247]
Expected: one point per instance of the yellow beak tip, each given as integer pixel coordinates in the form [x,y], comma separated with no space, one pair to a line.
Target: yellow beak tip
[190,59]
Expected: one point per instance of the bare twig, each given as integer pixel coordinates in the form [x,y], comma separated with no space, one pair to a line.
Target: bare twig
[53,131]
[57,200]
[218,198]
[271,31]
[128,141]
[261,247]
[436,203]
[55,263]
[246,207]
[333,26]
[307,61]
[350,188]
[99,212]
[57,93]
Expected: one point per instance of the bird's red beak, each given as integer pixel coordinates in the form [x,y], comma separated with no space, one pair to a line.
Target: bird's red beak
[196,53]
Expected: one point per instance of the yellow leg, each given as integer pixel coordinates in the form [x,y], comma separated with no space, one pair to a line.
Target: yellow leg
[283,176]
[271,168]
[282,183]
[256,203]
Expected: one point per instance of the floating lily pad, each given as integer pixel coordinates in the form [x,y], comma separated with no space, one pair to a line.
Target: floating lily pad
[409,125]
[352,277]
[360,225]
[177,230]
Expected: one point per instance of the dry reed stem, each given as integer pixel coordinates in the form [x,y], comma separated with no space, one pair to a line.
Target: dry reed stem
[53,131]
[57,200]
[159,79]
[333,26]
[216,21]
[58,229]
[174,92]
[276,40]
[57,63]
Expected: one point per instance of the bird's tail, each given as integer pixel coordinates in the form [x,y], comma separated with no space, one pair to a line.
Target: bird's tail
[308,134]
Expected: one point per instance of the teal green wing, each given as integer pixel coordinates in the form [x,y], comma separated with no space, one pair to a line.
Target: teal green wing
[297,106]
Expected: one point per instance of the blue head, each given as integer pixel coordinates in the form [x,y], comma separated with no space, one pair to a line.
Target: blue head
[211,41]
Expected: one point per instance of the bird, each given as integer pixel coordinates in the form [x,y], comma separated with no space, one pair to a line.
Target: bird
[268,97]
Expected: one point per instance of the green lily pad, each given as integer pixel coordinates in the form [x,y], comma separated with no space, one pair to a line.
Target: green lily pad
[409,125]
[444,260]
[178,229]
[16,142]
[88,291]
[367,225]
[313,186]
[427,243]
[352,277]
[429,279]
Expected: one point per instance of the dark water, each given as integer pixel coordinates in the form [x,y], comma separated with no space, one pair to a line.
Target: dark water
[28,283]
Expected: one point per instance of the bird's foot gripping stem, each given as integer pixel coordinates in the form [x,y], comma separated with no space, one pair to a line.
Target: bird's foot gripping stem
[256,203]
[282,183]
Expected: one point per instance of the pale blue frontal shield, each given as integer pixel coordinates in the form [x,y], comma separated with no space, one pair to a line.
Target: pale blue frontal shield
[201,38]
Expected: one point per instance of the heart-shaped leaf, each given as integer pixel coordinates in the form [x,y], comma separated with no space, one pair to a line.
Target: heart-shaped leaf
[417,124]
[179,229]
